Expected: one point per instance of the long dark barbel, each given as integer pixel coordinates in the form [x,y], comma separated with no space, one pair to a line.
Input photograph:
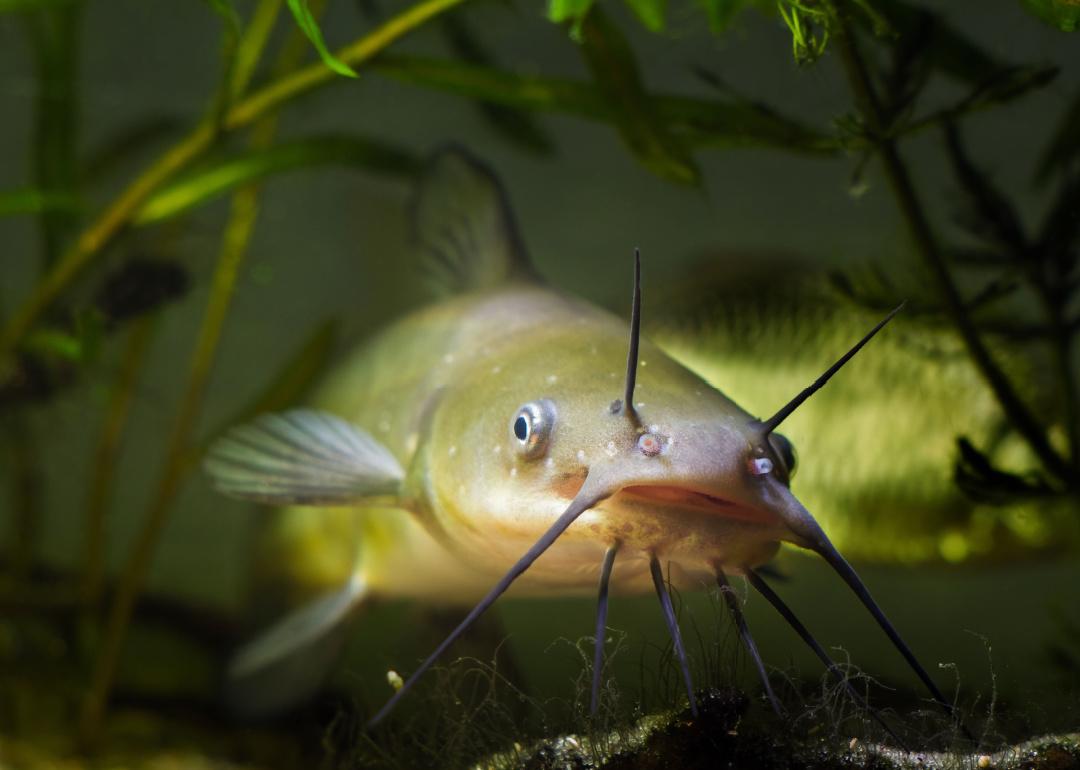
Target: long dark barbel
[635,337]
[601,626]
[586,498]
[673,629]
[827,550]
[732,602]
[769,425]
[763,588]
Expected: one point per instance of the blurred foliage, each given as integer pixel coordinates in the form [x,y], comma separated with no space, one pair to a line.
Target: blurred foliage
[992,408]
[733,121]
[880,465]
[615,71]
[221,175]
[306,21]
[1063,14]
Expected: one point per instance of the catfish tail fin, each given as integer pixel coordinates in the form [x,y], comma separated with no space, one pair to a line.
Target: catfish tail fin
[288,664]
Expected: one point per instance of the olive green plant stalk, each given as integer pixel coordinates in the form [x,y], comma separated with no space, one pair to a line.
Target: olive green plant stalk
[872,111]
[241,224]
[102,476]
[238,230]
[90,244]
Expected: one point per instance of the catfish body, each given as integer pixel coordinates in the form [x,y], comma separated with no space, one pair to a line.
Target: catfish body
[481,445]
[439,389]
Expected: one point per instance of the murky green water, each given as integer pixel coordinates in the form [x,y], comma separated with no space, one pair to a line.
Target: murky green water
[981,581]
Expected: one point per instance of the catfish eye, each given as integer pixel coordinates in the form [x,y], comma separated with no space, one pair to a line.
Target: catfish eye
[531,427]
[785,451]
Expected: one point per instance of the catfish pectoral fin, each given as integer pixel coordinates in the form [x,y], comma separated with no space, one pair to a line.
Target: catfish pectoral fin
[302,457]
[287,665]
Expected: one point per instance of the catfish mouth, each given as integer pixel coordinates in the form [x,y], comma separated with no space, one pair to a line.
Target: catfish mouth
[682,498]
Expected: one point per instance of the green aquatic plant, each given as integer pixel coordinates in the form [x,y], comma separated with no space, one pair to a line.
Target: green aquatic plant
[99,205]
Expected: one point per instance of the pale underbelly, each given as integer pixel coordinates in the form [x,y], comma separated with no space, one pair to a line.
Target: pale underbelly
[416,565]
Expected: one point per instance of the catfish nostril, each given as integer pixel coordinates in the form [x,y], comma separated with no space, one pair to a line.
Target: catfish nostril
[650,444]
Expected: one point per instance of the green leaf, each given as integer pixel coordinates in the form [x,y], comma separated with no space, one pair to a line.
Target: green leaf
[80,344]
[1063,14]
[809,29]
[250,46]
[572,11]
[651,13]
[712,123]
[615,71]
[35,201]
[306,21]
[210,182]
[56,343]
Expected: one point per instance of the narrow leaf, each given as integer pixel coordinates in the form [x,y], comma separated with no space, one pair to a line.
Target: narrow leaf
[1000,87]
[569,11]
[722,124]
[651,13]
[616,74]
[79,344]
[306,21]
[252,42]
[209,182]
[947,48]
[1063,14]
[230,37]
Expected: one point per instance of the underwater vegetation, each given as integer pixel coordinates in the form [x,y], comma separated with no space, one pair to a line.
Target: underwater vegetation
[197,238]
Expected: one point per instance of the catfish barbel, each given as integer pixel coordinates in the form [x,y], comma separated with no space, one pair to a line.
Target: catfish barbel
[505,438]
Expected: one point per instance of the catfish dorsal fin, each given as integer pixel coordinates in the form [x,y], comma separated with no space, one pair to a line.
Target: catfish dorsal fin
[463,223]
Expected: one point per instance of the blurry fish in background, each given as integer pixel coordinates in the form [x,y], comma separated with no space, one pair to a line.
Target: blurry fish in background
[893,468]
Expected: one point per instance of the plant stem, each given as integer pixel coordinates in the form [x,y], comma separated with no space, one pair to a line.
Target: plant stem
[315,75]
[105,455]
[119,214]
[55,36]
[250,48]
[918,224]
[238,231]
[142,553]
